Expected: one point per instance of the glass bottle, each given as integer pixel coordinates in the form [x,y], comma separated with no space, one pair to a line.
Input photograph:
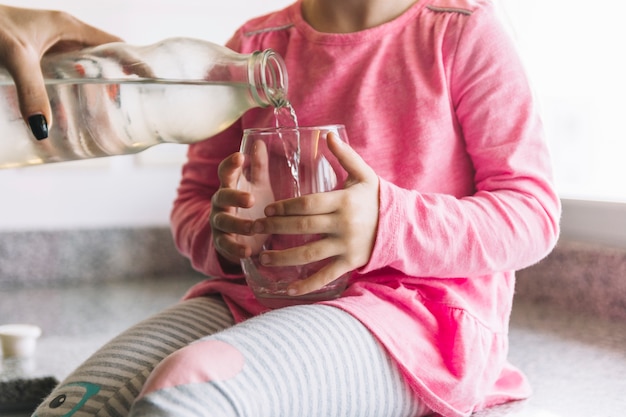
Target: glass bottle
[119,99]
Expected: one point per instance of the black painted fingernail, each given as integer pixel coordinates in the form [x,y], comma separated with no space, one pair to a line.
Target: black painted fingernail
[39,126]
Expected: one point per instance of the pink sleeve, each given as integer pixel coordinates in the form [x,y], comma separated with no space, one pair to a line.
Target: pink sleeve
[512,219]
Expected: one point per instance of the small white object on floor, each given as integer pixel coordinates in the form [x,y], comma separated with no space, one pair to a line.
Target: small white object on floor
[19,340]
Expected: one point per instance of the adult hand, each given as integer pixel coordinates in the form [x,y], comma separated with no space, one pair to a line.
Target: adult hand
[347,218]
[25,36]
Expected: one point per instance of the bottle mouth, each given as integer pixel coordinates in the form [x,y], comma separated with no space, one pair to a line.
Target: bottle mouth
[270,81]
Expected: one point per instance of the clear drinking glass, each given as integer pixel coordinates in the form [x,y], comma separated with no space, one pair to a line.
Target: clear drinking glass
[282,163]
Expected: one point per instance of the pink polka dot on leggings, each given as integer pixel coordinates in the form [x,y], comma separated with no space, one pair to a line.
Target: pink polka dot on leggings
[205,361]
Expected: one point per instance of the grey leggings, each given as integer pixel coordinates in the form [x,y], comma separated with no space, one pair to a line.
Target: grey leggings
[304,361]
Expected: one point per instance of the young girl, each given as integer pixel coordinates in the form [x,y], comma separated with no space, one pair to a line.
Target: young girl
[449,192]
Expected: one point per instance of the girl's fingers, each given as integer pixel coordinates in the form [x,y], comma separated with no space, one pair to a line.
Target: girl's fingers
[324,276]
[310,204]
[301,255]
[230,197]
[229,170]
[327,248]
[230,249]
[358,170]
[228,223]
[298,225]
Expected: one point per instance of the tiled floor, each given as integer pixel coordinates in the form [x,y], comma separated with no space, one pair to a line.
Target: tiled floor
[576,363]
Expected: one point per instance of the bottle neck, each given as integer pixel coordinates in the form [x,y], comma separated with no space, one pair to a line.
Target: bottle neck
[267,75]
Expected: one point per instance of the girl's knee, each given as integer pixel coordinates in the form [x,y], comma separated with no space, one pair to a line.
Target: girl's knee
[203,361]
[206,363]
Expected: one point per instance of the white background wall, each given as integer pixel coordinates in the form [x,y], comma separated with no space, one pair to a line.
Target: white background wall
[573,49]
[575,54]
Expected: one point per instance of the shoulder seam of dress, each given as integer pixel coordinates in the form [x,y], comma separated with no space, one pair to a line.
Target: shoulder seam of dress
[270,29]
[449,10]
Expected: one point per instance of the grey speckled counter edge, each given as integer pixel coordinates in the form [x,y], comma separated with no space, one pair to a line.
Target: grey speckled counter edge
[579,276]
[51,258]
[584,276]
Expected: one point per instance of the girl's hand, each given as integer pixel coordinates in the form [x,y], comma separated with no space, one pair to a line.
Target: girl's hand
[347,218]
[256,182]
[225,224]
[232,231]
[25,36]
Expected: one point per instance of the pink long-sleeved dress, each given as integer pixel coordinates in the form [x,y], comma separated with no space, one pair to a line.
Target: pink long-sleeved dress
[437,102]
